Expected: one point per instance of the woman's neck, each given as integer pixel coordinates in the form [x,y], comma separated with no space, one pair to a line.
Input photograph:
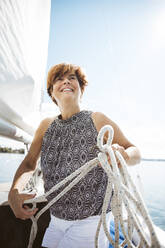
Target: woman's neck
[67,112]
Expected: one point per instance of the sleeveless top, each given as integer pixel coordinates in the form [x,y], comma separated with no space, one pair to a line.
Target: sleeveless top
[67,145]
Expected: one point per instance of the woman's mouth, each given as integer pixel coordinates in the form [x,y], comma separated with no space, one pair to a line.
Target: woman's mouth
[67,90]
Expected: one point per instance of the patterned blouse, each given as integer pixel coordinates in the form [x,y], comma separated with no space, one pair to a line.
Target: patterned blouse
[67,145]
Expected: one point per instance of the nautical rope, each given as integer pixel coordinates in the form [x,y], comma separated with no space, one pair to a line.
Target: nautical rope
[128,207]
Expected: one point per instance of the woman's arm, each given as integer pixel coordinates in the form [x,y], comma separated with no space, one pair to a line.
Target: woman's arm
[24,172]
[129,151]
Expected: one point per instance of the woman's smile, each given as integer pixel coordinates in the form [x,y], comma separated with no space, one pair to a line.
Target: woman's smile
[67,90]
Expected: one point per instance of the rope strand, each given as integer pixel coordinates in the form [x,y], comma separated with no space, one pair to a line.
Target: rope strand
[125,198]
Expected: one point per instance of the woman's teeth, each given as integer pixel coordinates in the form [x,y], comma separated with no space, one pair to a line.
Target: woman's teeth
[67,90]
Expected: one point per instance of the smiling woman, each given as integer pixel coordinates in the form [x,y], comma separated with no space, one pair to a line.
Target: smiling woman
[66,142]
[65,71]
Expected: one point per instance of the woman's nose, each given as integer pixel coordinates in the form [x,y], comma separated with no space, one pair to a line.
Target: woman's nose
[66,81]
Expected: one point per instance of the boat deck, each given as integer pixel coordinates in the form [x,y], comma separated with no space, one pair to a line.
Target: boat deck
[15,232]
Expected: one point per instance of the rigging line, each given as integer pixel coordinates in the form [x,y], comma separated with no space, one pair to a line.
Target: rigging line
[153,159]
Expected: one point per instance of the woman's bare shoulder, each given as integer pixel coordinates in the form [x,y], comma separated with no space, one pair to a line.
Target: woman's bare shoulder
[101,120]
[45,123]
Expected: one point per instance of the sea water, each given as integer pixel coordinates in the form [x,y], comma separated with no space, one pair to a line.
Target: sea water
[151,182]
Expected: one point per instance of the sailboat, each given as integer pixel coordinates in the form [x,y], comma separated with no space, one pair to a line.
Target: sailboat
[23,55]
[24,27]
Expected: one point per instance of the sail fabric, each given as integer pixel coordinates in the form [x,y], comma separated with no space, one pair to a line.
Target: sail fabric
[24,34]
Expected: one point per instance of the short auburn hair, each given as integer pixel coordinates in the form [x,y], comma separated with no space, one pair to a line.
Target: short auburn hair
[60,70]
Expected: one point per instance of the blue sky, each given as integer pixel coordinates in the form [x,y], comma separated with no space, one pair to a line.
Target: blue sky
[121,46]
[121,49]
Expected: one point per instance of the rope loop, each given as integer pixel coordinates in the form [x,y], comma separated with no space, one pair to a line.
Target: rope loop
[100,137]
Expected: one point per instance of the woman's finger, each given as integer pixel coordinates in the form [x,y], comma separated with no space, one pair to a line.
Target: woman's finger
[27,196]
[26,213]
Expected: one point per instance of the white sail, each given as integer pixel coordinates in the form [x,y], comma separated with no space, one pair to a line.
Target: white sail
[24,34]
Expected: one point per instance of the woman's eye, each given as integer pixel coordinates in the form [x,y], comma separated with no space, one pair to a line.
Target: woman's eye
[59,79]
[56,80]
[72,78]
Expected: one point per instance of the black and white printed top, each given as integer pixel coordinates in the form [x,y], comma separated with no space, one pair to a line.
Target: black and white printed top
[67,145]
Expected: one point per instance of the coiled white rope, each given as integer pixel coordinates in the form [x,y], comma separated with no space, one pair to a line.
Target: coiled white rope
[126,198]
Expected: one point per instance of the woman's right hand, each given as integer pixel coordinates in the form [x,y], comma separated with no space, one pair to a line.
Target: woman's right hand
[16,202]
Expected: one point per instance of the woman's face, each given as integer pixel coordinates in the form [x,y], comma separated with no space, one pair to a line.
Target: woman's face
[67,89]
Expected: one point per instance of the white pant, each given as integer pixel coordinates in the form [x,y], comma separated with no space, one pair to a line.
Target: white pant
[75,234]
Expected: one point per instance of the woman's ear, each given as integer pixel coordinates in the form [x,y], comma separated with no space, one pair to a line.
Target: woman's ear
[82,92]
[54,100]
[81,95]
[52,96]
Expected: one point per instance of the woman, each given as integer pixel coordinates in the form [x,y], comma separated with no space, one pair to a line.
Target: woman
[66,142]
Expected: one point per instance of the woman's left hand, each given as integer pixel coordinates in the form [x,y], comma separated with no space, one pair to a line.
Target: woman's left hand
[121,149]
